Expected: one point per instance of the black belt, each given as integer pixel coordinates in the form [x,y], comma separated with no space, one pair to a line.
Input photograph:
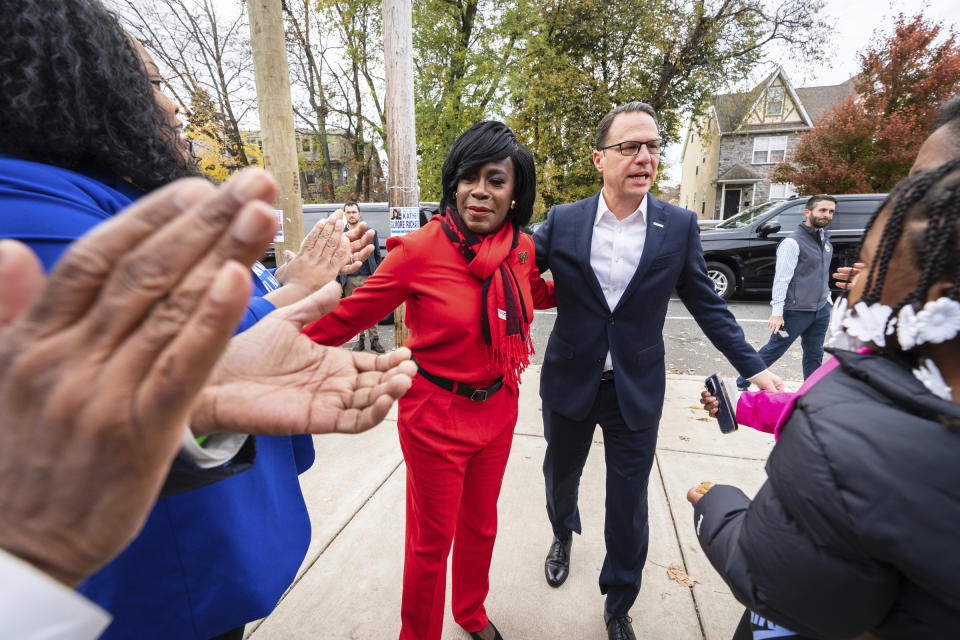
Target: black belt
[460,388]
[606,376]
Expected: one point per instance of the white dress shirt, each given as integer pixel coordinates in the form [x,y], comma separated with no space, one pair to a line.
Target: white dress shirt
[788,254]
[34,606]
[615,252]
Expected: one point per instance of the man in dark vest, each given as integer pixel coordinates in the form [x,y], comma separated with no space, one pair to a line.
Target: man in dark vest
[801,290]
[351,211]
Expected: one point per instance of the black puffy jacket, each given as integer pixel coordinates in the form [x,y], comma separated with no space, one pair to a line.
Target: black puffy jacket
[858,525]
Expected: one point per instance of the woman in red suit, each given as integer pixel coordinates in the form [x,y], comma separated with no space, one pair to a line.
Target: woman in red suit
[470,284]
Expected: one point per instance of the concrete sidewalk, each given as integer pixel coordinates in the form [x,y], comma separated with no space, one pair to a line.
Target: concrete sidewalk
[349,584]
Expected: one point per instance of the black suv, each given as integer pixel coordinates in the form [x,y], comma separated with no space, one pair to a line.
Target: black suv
[741,252]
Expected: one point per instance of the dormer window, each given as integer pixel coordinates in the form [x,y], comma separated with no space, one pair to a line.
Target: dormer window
[774,101]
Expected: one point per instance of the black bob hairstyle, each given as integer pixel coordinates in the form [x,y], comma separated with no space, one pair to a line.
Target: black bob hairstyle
[491,141]
[74,93]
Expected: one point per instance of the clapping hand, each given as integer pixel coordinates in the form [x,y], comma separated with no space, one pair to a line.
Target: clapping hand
[326,252]
[100,363]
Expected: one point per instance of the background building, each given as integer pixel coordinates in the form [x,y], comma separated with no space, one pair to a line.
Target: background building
[730,152]
[350,179]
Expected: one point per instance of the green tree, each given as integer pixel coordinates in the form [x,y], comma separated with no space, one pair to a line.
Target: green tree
[355,79]
[465,51]
[307,48]
[868,142]
[585,56]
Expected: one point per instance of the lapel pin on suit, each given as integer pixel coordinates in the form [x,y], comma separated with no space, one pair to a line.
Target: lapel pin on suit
[657,224]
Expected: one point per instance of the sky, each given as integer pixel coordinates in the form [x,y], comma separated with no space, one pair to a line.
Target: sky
[855,21]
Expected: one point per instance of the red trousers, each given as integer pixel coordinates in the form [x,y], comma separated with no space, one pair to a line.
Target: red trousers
[456,451]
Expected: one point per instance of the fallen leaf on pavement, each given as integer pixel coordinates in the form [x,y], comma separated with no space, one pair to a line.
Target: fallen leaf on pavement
[685,438]
[676,573]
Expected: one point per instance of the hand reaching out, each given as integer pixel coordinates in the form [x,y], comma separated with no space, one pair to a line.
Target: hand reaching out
[845,275]
[326,252]
[274,380]
[768,381]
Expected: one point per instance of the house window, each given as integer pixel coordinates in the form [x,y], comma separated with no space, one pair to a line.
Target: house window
[310,177]
[782,191]
[769,149]
[774,101]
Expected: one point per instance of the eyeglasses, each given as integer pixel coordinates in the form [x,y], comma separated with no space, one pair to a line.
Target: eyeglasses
[632,147]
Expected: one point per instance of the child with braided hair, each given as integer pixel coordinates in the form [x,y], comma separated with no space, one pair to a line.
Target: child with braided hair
[859,483]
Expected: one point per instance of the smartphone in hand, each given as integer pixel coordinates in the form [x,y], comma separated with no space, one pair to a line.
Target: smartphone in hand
[722,390]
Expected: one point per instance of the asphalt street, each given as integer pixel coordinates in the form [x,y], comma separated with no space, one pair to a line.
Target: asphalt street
[688,350]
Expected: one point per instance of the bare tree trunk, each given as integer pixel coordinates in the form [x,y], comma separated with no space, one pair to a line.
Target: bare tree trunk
[276,116]
[402,190]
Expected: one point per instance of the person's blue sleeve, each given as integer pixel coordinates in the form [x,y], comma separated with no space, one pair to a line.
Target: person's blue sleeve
[257,310]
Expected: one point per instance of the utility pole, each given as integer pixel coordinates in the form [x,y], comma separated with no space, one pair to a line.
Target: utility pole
[272,76]
[402,186]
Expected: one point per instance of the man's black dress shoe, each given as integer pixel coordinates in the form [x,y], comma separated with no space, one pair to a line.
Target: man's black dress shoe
[557,566]
[496,634]
[618,628]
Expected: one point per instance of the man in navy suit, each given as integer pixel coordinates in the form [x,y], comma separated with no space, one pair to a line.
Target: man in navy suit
[615,258]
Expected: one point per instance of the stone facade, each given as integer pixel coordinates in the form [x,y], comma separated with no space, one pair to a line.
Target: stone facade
[738,149]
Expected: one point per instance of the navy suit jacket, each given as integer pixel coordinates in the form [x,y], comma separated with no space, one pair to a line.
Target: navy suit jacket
[586,328]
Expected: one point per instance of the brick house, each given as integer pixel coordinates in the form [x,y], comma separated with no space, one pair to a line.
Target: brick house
[730,152]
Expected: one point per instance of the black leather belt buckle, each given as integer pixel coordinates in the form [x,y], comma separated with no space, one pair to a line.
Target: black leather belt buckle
[606,376]
[479,395]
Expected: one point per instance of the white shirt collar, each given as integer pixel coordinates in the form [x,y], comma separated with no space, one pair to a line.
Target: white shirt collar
[602,208]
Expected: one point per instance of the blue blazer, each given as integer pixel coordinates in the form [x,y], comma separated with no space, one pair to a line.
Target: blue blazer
[586,328]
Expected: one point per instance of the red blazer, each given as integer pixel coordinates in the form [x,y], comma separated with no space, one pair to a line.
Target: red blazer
[443,308]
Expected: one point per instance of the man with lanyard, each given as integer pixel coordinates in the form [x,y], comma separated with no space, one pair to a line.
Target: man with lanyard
[801,289]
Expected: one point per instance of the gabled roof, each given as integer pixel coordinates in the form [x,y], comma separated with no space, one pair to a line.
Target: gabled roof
[739,173]
[812,102]
[732,108]
[819,100]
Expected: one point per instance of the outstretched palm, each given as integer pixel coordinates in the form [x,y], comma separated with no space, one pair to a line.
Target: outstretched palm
[299,386]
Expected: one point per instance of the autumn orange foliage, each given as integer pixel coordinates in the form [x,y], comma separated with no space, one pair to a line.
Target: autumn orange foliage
[868,142]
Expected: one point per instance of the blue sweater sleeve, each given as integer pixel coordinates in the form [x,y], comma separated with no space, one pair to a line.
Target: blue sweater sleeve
[257,308]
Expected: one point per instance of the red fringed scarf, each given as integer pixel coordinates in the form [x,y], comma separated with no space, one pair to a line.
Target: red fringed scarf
[506,327]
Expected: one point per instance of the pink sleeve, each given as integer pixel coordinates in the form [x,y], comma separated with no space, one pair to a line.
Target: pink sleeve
[762,409]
